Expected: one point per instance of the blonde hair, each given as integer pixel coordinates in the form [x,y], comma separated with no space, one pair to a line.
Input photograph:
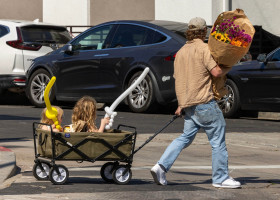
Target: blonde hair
[196,34]
[46,120]
[85,110]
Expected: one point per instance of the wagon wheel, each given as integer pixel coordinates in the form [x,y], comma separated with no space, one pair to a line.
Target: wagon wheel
[41,170]
[107,171]
[59,174]
[122,174]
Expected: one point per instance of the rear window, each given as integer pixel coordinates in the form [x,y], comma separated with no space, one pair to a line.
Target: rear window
[3,30]
[45,34]
[176,27]
[134,35]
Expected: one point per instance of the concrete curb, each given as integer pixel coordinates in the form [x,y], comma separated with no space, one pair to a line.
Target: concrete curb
[269,115]
[7,164]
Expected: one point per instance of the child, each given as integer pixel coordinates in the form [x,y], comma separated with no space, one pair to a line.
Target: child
[46,120]
[84,116]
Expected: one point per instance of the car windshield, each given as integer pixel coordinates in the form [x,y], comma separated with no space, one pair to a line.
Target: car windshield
[45,34]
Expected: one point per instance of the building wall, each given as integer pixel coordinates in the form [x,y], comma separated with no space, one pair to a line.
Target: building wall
[92,12]
[183,10]
[264,13]
[66,12]
[21,9]
[109,10]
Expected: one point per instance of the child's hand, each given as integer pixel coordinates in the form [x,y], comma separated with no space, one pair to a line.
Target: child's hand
[106,120]
[55,129]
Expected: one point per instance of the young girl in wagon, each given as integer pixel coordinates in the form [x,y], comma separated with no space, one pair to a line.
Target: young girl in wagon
[50,122]
[84,117]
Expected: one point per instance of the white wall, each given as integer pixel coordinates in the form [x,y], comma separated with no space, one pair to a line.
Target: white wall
[260,12]
[184,10]
[66,12]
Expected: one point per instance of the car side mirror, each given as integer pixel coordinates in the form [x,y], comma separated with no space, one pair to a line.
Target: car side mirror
[261,58]
[69,49]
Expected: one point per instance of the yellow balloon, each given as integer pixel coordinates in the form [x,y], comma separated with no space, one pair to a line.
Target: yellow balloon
[51,112]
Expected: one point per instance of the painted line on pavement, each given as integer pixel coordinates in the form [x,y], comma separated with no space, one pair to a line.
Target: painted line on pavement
[185,167]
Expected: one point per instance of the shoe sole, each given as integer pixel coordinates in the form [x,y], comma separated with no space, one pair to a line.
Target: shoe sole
[224,186]
[155,177]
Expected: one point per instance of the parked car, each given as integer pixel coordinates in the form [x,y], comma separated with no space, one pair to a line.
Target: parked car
[253,85]
[106,59]
[20,43]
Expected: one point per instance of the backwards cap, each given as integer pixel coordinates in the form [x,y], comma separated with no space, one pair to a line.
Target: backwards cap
[197,23]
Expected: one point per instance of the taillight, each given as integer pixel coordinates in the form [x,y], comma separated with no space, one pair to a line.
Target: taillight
[170,58]
[19,82]
[19,44]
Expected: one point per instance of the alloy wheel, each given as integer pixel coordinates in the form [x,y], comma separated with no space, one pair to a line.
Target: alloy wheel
[139,96]
[37,87]
[227,102]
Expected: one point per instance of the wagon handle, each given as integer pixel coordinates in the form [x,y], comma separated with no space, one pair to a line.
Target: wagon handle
[152,137]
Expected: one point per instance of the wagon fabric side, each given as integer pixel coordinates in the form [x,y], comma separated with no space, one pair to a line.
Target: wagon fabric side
[111,145]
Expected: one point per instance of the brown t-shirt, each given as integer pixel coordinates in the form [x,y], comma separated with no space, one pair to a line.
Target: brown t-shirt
[192,67]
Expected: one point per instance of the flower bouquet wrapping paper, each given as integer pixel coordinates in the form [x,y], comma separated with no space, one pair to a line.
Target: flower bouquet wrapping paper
[230,39]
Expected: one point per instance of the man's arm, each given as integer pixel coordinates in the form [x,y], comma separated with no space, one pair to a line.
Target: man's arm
[219,71]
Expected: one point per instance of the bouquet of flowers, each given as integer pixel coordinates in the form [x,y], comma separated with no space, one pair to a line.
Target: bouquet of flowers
[230,33]
[230,39]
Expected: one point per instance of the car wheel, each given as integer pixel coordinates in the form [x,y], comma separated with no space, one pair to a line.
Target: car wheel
[36,87]
[230,103]
[142,97]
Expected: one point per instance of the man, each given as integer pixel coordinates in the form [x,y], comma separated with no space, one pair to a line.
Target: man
[193,68]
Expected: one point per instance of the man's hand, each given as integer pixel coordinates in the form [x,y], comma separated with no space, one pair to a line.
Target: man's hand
[178,111]
[219,71]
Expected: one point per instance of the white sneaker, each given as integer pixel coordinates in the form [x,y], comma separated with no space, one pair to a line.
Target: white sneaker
[228,183]
[159,175]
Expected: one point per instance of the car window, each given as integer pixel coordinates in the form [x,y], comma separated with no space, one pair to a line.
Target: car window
[132,35]
[129,35]
[154,37]
[3,30]
[45,34]
[94,39]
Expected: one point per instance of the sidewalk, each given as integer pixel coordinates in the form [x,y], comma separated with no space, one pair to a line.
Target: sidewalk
[7,164]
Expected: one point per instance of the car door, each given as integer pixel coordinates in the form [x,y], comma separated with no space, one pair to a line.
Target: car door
[80,72]
[125,52]
[262,82]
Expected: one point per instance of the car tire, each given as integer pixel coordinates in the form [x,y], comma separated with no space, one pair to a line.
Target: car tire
[142,97]
[230,103]
[36,87]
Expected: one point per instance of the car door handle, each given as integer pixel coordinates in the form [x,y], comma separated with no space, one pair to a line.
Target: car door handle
[99,55]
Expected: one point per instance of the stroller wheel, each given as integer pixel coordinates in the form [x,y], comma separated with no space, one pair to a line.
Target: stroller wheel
[122,174]
[41,170]
[59,174]
[107,171]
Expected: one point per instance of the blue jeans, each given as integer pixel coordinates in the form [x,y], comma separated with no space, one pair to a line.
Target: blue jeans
[209,117]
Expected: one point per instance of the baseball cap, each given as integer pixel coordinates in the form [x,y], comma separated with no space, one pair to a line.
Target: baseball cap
[197,23]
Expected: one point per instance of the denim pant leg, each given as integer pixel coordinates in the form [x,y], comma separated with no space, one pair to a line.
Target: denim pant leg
[211,119]
[184,140]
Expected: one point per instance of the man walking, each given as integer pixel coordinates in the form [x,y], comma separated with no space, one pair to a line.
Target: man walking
[193,68]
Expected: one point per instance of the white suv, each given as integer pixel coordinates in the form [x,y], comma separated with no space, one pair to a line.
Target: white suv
[20,43]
